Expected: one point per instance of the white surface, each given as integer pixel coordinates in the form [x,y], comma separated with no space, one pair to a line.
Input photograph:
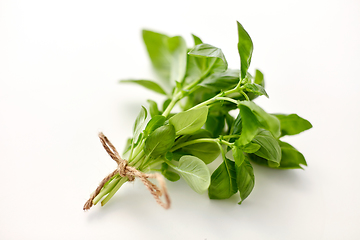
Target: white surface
[59,66]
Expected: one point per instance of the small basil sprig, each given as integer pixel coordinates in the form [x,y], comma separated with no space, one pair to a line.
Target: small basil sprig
[182,144]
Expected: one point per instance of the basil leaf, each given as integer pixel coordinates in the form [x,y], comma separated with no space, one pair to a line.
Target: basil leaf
[168,55]
[139,122]
[215,123]
[147,84]
[221,81]
[245,49]
[291,158]
[260,160]
[206,151]
[201,66]
[197,40]
[223,181]
[153,108]
[292,124]
[195,173]
[256,89]
[245,178]
[229,122]
[206,50]
[250,147]
[259,78]
[154,123]
[189,121]
[166,104]
[156,44]
[160,141]
[249,125]
[169,175]
[236,127]
[267,121]
[178,51]
[270,148]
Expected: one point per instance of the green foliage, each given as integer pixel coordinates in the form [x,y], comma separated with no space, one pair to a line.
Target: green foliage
[223,181]
[147,84]
[269,147]
[167,54]
[160,141]
[181,144]
[292,124]
[206,151]
[190,121]
[195,173]
[245,48]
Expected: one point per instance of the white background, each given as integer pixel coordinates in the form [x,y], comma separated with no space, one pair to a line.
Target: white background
[60,62]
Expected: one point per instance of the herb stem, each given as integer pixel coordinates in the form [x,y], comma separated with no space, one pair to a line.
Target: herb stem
[230,136]
[114,190]
[200,140]
[106,190]
[227,143]
[178,95]
[222,150]
[244,94]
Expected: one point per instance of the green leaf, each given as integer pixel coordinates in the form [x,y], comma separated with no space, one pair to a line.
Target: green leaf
[256,89]
[229,122]
[199,67]
[215,123]
[139,122]
[147,84]
[222,81]
[270,148]
[292,124]
[190,121]
[153,108]
[291,158]
[195,173]
[166,104]
[223,181]
[169,175]
[160,141]
[249,125]
[267,121]
[245,48]
[209,51]
[197,40]
[154,123]
[168,55]
[259,78]
[238,155]
[206,151]
[245,178]
[236,127]
[178,51]
[250,147]
[156,44]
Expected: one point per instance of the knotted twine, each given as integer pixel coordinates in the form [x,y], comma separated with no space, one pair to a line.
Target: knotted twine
[124,170]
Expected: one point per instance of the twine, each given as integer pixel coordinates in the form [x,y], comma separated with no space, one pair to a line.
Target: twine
[124,170]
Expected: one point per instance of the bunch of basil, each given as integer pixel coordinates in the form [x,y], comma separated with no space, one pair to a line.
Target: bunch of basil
[182,144]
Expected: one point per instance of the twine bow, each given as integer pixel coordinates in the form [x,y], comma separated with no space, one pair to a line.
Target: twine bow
[124,170]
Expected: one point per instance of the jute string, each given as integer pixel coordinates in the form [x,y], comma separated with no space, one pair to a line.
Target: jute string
[124,170]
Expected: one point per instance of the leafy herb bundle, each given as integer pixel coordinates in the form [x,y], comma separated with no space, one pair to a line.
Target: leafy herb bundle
[182,144]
